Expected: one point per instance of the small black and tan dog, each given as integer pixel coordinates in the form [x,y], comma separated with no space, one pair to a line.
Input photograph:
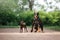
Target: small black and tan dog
[23,27]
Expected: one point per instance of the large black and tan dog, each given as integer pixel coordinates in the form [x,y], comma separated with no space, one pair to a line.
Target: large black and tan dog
[37,23]
[23,27]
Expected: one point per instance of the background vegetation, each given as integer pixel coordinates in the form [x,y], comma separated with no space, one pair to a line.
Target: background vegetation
[12,12]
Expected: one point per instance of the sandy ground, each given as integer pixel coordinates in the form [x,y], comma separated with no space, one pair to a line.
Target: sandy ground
[17,30]
[14,34]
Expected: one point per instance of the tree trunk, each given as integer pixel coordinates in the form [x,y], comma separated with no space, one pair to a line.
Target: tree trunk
[31,3]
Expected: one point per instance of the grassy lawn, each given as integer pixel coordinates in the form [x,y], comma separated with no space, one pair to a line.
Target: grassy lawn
[9,26]
[56,28]
[12,26]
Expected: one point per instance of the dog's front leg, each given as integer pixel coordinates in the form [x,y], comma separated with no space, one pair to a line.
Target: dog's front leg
[32,29]
[23,30]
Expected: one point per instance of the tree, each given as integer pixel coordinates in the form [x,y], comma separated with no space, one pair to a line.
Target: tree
[50,4]
[31,3]
[7,11]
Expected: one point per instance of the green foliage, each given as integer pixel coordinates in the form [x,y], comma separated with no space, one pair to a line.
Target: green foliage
[24,2]
[27,16]
[10,17]
[7,17]
[7,14]
[51,18]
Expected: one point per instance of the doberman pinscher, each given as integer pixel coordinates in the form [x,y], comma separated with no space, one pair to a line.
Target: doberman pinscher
[37,23]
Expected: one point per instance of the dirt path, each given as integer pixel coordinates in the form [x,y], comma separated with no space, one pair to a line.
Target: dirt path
[17,30]
[30,36]
[13,34]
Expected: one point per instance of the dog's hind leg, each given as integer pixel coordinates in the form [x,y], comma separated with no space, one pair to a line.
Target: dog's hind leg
[21,29]
[26,29]
[38,29]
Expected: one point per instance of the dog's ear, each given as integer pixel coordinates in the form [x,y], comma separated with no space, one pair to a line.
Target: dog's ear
[37,13]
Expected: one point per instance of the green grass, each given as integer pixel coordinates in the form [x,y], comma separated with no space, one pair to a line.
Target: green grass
[56,28]
[12,26]
[9,26]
